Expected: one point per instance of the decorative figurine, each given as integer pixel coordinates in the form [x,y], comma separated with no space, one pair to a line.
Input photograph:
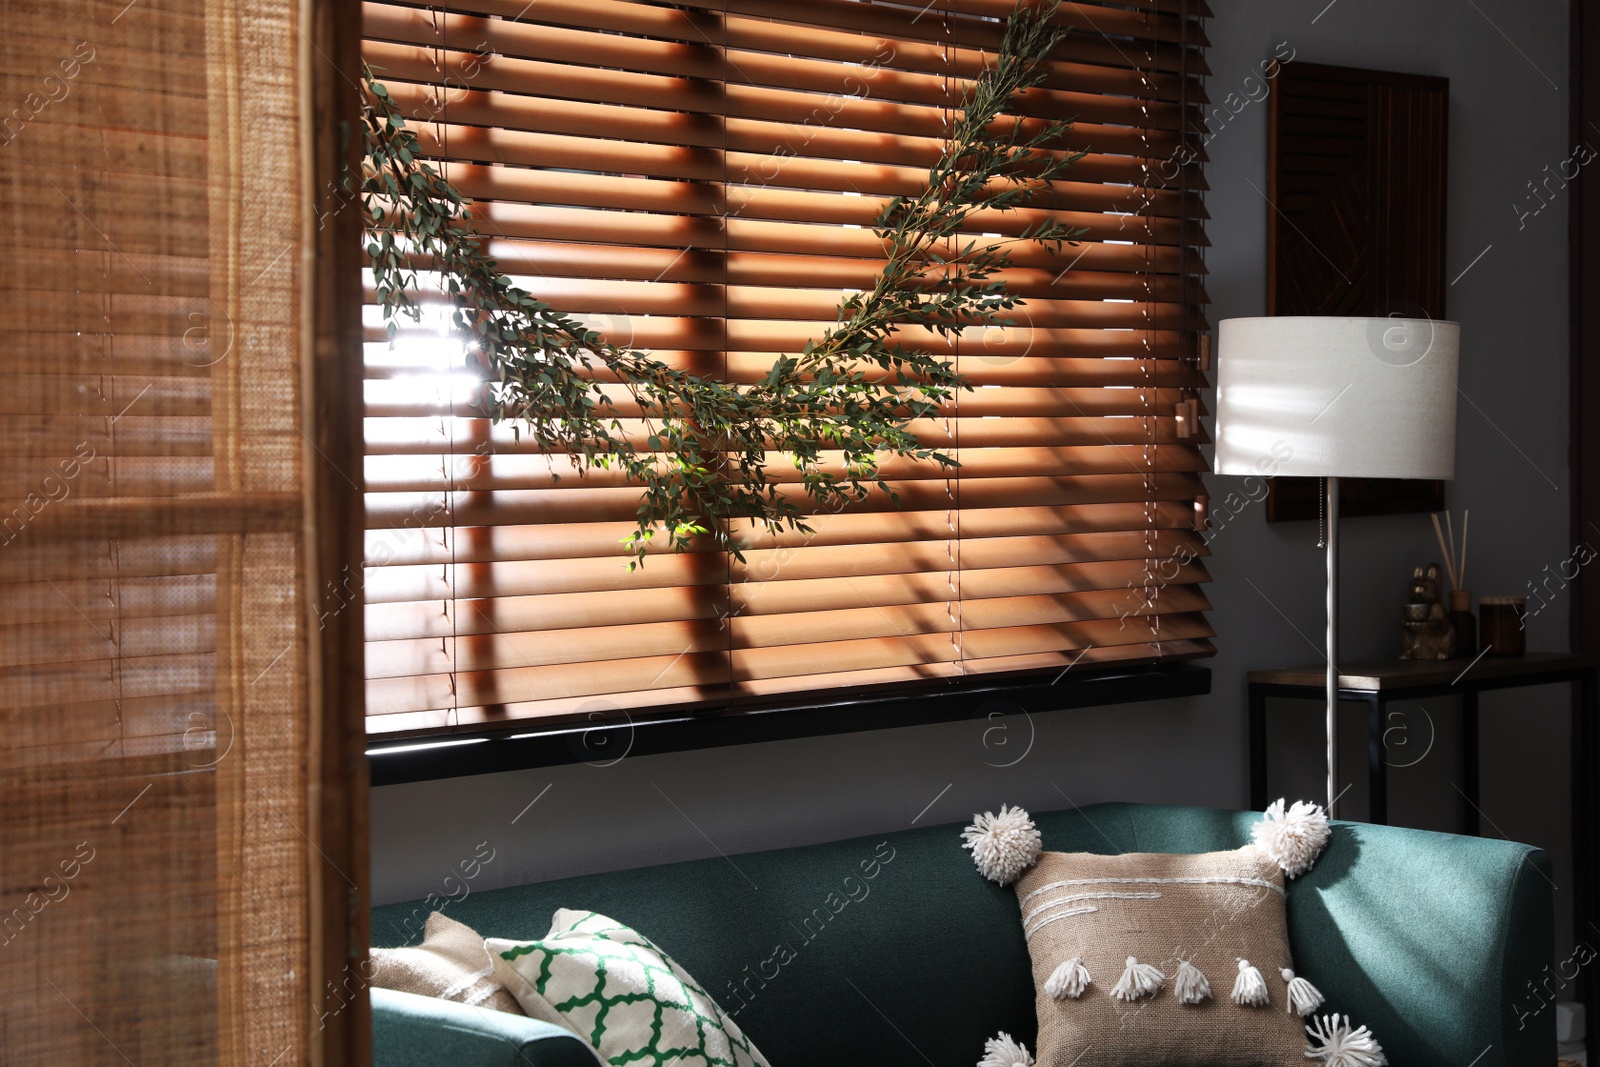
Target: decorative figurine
[1428,633]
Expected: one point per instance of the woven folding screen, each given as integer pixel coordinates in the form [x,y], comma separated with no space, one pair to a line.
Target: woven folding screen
[159,709]
[700,179]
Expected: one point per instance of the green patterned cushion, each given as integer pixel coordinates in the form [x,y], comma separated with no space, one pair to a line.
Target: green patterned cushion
[610,985]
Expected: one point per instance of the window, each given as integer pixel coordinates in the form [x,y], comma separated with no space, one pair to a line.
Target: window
[700,180]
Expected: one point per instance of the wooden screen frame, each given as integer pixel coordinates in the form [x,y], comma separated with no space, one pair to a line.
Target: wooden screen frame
[1404,276]
[340,905]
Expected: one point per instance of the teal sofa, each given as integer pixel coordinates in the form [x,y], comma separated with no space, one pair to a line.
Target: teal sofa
[1427,938]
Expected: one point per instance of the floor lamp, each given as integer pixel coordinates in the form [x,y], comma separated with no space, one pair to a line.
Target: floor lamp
[1329,397]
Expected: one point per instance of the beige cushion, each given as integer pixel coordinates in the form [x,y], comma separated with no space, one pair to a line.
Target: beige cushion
[451,963]
[1104,909]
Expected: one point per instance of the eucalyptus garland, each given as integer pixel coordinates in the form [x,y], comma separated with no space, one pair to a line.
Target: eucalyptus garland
[707,453]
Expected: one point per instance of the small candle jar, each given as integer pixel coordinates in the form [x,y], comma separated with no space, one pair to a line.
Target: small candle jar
[1500,619]
[1463,622]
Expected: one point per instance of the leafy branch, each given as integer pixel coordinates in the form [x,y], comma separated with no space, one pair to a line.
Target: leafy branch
[705,451]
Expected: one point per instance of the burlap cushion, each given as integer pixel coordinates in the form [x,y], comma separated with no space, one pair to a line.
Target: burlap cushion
[1210,909]
[451,963]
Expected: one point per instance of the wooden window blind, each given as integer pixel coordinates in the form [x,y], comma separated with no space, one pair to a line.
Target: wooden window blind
[699,179]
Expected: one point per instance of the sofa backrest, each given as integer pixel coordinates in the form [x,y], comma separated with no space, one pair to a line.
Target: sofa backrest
[891,949]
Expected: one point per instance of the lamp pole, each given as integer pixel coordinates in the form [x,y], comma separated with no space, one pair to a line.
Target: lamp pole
[1331,533]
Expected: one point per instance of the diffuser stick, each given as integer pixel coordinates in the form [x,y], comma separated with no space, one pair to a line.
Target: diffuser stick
[1444,548]
[1450,550]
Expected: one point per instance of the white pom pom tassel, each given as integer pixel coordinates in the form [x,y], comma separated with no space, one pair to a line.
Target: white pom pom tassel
[1003,845]
[1304,998]
[1002,1051]
[1250,989]
[1068,981]
[1293,838]
[1138,980]
[1190,985]
[1340,1046]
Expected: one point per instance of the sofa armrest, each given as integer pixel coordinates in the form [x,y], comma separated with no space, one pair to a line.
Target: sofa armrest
[1435,941]
[416,1031]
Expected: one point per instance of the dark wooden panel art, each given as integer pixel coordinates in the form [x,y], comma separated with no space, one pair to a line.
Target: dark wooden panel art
[1356,179]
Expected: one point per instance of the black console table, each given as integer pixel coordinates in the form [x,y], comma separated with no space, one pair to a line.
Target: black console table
[1378,682]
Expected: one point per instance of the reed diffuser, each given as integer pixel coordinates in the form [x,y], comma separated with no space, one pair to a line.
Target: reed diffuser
[1455,565]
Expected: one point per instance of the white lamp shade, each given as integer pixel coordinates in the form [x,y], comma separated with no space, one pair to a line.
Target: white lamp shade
[1323,396]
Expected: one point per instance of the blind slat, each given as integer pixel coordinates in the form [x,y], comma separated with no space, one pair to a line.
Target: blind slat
[504,220]
[608,705]
[901,543]
[469,42]
[709,670]
[515,112]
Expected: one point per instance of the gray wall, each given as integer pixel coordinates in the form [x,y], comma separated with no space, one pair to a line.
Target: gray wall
[1507,123]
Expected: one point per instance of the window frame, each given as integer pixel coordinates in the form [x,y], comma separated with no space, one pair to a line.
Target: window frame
[608,741]
[535,742]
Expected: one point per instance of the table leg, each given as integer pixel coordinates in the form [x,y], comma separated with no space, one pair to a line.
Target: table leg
[1377,766]
[1472,801]
[1258,748]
